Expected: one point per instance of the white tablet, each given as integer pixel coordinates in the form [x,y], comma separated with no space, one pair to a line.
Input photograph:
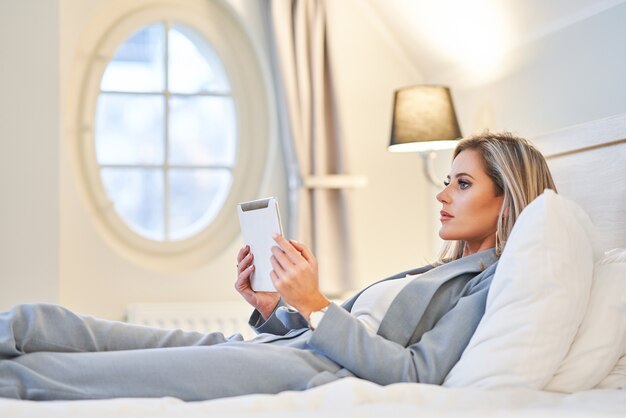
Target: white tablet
[259,220]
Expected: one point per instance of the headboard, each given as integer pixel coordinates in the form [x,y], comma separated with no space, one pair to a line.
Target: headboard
[588,163]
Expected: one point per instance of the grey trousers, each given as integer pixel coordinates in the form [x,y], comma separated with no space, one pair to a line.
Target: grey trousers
[50,353]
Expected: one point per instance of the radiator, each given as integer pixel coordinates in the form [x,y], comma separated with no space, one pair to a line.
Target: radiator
[226,317]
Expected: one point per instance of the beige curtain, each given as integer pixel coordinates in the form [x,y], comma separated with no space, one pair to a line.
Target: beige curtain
[298,30]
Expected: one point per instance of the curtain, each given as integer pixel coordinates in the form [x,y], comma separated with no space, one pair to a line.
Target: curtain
[310,139]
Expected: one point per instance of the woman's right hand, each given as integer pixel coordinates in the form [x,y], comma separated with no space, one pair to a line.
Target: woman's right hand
[264,302]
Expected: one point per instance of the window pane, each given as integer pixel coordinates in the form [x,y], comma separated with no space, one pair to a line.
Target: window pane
[137,195]
[202,130]
[138,63]
[193,64]
[129,129]
[196,198]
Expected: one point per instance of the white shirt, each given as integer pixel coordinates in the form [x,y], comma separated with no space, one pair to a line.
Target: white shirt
[372,305]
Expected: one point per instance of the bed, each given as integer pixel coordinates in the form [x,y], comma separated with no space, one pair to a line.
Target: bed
[589,165]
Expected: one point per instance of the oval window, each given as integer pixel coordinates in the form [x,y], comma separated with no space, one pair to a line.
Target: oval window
[172,126]
[165,132]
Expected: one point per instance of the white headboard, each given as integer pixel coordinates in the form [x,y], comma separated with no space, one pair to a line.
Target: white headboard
[588,163]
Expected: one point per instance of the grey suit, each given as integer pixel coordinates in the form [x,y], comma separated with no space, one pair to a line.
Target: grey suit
[48,352]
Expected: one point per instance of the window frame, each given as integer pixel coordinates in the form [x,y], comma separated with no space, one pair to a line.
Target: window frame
[249,91]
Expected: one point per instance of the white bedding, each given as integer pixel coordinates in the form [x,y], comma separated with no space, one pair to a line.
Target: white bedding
[350,397]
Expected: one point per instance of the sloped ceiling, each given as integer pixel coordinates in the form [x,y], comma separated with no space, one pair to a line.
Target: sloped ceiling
[438,35]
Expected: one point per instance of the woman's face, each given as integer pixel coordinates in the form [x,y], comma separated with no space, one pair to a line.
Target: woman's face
[470,207]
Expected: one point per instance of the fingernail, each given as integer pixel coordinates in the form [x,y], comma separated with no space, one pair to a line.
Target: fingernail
[275,236]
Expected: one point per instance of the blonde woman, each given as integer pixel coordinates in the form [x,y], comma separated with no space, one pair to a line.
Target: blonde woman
[411,327]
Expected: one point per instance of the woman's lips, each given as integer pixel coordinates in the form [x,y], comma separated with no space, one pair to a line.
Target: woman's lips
[445,216]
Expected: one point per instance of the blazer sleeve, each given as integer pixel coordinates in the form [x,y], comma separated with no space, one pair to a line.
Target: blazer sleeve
[282,320]
[346,341]
[285,319]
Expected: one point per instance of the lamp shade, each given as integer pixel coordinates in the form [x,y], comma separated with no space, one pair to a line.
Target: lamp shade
[423,119]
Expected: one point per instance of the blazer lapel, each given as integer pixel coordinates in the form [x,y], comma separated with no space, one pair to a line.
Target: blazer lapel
[409,305]
[347,305]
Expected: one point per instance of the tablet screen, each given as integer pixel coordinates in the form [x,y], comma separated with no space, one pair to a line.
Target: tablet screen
[259,220]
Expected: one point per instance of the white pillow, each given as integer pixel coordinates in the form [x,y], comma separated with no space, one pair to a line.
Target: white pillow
[536,301]
[617,378]
[601,338]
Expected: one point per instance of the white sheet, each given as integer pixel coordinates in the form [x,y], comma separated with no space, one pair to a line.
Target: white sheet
[346,398]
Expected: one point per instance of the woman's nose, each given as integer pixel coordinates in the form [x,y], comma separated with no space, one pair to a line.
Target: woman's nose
[442,196]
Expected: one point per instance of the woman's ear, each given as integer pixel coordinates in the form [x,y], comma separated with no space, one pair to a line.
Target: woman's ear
[505,212]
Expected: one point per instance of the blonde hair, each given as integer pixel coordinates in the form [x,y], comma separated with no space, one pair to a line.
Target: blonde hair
[519,172]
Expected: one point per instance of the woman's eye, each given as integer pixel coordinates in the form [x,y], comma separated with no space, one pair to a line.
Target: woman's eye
[463,184]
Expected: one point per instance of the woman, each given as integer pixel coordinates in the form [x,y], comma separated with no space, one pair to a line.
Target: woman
[410,327]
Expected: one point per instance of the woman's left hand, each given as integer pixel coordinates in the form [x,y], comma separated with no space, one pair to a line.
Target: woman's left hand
[295,276]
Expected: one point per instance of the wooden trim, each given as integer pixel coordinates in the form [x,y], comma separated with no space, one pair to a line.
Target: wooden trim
[335,181]
[582,137]
[583,149]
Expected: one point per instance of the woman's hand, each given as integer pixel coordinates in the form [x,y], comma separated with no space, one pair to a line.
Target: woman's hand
[264,302]
[295,276]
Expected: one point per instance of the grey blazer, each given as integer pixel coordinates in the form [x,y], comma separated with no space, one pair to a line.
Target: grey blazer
[420,338]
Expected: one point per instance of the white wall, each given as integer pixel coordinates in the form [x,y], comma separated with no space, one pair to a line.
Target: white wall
[29,152]
[571,75]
